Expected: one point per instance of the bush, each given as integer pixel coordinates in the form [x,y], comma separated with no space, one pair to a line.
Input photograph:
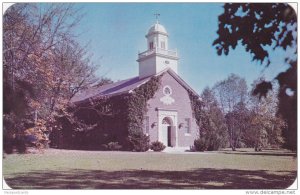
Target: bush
[214,143]
[139,141]
[8,145]
[200,144]
[157,146]
[37,135]
[114,146]
[20,145]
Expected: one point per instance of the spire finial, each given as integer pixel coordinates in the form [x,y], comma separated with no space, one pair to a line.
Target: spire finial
[156,16]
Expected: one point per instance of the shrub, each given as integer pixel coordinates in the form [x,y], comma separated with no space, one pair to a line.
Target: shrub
[157,146]
[139,141]
[114,146]
[214,143]
[200,144]
[20,145]
[8,145]
[37,135]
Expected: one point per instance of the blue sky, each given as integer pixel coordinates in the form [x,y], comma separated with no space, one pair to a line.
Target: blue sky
[116,32]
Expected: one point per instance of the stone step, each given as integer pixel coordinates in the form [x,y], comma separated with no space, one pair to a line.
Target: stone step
[176,149]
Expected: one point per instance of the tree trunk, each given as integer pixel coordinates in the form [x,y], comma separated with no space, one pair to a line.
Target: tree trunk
[233,148]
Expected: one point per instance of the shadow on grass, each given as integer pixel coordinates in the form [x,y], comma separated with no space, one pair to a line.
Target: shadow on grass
[141,179]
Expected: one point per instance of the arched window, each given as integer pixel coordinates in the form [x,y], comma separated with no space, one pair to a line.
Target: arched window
[151,45]
[163,45]
[167,121]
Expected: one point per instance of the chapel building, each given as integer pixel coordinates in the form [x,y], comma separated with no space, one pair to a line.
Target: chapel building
[169,117]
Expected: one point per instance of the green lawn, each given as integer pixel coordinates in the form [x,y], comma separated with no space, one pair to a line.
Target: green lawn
[110,170]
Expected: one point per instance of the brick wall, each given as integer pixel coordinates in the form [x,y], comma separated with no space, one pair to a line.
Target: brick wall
[181,104]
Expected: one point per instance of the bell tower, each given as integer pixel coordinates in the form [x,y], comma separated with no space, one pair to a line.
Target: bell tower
[157,57]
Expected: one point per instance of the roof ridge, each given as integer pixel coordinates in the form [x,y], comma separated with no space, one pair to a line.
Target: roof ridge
[125,86]
[181,81]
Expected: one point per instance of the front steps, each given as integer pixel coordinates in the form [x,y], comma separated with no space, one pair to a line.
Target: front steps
[176,149]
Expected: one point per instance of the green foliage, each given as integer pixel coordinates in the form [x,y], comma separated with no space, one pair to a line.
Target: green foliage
[210,120]
[124,113]
[40,79]
[260,27]
[238,122]
[266,126]
[196,106]
[214,129]
[139,141]
[231,93]
[11,143]
[137,103]
[20,145]
[157,146]
[200,144]
[8,145]
[136,109]
[287,107]
[14,132]
[255,26]
[208,138]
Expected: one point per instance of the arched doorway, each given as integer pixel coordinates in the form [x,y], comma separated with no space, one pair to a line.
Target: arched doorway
[166,131]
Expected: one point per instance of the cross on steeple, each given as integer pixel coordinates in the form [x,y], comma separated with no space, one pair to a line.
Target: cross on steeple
[156,16]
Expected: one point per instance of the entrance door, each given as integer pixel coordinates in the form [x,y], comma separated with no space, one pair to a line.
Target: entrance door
[165,134]
[169,136]
[167,127]
[166,131]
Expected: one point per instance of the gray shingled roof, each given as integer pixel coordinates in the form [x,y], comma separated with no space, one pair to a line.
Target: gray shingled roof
[121,87]
[112,89]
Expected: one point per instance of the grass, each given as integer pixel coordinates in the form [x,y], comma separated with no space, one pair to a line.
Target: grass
[65,169]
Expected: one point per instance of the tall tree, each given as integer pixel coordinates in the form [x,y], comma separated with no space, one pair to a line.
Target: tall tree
[260,27]
[230,93]
[213,125]
[238,122]
[266,125]
[43,65]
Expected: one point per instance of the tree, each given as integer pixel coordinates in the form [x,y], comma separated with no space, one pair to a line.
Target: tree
[43,66]
[230,93]
[260,27]
[213,126]
[238,122]
[104,81]
[266,125]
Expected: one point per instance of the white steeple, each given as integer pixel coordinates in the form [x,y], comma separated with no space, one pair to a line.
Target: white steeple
[158,56]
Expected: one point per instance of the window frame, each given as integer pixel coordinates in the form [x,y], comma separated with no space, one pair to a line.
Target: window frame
[169,88]
[151,45]
[163,44]
[187,126]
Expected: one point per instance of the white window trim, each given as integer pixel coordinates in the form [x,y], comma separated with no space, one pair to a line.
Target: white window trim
[163,44]
[188,125]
